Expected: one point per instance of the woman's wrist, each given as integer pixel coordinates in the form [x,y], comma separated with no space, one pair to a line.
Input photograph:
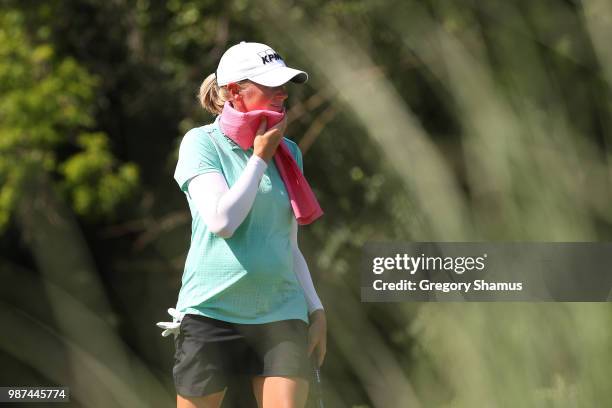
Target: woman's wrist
[260,155]
[317,314]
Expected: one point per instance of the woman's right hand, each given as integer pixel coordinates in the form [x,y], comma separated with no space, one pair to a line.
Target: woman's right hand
[266,141]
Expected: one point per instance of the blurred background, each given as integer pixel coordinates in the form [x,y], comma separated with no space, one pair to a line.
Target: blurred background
[423,120]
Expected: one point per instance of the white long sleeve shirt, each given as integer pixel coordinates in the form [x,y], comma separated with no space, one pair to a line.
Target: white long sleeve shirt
[223,209]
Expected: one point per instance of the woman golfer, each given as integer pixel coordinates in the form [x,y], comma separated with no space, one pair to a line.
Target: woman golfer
[247,301]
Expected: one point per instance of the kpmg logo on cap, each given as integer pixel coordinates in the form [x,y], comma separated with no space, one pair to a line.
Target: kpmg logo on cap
[269,55]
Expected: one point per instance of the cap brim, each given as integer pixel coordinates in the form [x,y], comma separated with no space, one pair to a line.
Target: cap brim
[280,76]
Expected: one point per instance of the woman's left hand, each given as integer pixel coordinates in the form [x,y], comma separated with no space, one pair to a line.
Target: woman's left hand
[317,335]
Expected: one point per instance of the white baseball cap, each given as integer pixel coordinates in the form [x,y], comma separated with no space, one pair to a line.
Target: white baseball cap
[258,63]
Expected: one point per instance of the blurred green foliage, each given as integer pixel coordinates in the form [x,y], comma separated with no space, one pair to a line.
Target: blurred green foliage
[89,177]
[46,105]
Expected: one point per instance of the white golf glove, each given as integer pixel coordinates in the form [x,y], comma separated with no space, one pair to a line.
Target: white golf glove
[173,326]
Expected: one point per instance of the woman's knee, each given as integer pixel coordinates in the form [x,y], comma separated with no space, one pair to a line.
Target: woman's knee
[280,392]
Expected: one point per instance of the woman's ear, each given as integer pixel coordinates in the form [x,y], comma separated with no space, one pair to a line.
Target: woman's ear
[234,91]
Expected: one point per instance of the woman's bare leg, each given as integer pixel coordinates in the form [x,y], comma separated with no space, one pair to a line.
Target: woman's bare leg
[209,401]
[280,392]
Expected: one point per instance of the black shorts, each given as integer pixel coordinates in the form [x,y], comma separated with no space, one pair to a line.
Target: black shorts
[210,352]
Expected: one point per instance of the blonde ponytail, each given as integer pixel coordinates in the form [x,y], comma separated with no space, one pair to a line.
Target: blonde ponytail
[211,96]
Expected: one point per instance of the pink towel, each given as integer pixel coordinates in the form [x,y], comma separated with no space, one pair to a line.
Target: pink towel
[241,128]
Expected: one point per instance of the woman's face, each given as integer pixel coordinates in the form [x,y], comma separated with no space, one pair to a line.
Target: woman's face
[251,96]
